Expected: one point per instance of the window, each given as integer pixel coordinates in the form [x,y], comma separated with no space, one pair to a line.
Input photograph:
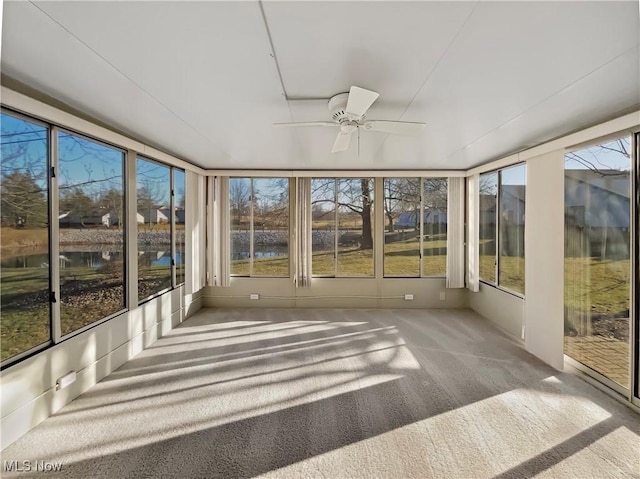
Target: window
[342,231]
[415,239]
[179,221]
[259,209]
[502,215]
[91,220]
[511,223]
[24,256]
[597,269]
[434,217]
[154,227]
[488,221]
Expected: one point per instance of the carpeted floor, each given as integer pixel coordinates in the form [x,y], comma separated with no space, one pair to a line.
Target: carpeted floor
[337,393]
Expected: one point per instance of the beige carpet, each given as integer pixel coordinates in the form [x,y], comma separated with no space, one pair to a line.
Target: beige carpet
[337,393]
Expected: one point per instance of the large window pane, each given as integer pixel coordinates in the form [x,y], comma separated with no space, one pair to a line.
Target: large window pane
[91,202]
[24,256]
[355,227]
[597,258]
[511,225]
[271,227]
[435,227]
[179,210]
[154,228]
[240,209]
[487,233]
[323,234]
[402,227]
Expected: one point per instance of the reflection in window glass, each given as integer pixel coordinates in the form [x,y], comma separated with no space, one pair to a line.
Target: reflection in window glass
[487,220]
[597,258]
[154,227]
[402,227]
[435,227]
[240,207]
[91,219]
[511,226]
[323,230]
[24,256]
[179,217]
[270,227]
[259,225]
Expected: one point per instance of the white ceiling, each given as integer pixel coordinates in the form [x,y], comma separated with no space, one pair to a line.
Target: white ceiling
[199,79]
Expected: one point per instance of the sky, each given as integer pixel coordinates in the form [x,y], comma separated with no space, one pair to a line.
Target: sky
[92,166]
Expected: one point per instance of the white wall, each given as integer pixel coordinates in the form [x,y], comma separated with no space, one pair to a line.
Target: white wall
[337,293]
[544,246]
[503,309]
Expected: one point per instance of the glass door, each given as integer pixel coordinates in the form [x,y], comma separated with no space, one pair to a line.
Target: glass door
[598,271]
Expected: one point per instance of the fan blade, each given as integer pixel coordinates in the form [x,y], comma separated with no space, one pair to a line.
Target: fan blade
[395,127]
[307,123]
[359,101]
[342,142]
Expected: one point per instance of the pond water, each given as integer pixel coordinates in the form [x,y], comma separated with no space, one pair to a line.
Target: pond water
[271,251]
[96,257]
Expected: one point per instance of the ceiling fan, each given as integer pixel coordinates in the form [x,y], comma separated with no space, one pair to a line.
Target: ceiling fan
[348,111]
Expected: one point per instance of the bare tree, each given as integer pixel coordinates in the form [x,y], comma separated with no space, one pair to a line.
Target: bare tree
[239,197]
[401,195]
[354,195]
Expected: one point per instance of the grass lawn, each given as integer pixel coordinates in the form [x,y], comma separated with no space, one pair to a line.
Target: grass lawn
[21,237]
[402,258]
[601,286]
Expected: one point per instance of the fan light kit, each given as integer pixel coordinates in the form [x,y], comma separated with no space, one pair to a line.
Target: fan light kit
[348,111]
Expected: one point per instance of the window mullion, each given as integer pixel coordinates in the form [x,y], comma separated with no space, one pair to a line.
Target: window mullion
[172,226]
[336,232]
[54,236]
[251,203]
[421,227]
[497,257]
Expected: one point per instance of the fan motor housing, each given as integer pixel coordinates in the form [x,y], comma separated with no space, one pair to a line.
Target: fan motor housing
[337,105]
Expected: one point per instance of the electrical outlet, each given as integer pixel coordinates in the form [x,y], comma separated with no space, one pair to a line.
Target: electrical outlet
[442,296]
[254,296]
[408,297]
[66,380]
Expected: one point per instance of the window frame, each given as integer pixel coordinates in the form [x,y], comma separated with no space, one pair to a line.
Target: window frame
[172,261]
[49,147]
[336,223]
[421,261]
[290,224]
[496,284]
[55,226]
[174,230]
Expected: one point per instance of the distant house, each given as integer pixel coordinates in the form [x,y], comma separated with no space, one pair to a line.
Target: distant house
[432,216]
[166,213]
[153,216]
[70,219]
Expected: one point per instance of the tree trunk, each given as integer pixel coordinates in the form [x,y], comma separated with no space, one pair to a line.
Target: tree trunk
[367,237]
[390,218]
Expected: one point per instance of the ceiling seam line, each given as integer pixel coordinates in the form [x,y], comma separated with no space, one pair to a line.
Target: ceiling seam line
[444,53]
[545,100]
[273,50]
[426,80]
[202,135]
